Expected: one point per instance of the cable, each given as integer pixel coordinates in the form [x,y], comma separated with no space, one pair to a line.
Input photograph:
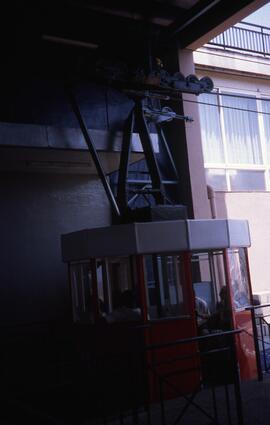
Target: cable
[225,107]
[240,96]
[176,95]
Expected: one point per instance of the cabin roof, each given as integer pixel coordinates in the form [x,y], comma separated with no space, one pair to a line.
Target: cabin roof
[155,237]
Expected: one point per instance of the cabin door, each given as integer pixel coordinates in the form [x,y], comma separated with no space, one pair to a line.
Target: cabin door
[241,297]
[170,316]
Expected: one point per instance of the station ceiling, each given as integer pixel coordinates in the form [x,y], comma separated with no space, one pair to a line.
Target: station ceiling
[187,20]
[97,21]
[106,26]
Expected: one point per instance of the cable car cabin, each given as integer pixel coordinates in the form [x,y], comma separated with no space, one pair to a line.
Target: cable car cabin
[140,284]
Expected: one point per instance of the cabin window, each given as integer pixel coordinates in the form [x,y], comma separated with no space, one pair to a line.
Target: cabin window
[112,295]
[81,292]
[211,294]
[121,279]
[164,277]
[117,290]
[103,291]
[239,278]
[208,277]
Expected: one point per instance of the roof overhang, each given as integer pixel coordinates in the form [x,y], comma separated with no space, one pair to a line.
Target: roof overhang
[155,237]
[213,20]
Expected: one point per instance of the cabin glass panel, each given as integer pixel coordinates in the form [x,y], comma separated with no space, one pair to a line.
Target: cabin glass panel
[111,294]
[208,277]
[212,303]
[164,281]
[122,278]
[103,290]
[117,290]
[239,278]
[81,292]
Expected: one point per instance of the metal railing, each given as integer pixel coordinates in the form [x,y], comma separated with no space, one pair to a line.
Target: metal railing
[244,37]
[261,330]
[113,379]
[141,383]
[265,341]
[218,367]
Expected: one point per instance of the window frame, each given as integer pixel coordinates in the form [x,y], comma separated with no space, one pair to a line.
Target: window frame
[227,166]
[157,264]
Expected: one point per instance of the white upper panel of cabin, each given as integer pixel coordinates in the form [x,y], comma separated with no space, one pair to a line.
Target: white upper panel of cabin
[155,237]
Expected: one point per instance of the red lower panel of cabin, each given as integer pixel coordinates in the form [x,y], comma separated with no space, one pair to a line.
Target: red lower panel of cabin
[174,370]
[245,345]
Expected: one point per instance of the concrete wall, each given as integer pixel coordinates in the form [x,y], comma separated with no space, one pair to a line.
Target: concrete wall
[194,143]
[228,62]
[245,84]
[38,206]
[255,207]
[35,210]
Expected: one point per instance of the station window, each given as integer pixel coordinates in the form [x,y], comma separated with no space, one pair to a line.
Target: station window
[235,141]
[216,178]
[241,180]
[164,276]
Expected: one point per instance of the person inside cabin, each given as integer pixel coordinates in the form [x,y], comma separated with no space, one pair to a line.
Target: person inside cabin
[202,314]
[126,311]
[224,310]
[221,319]
[101,307]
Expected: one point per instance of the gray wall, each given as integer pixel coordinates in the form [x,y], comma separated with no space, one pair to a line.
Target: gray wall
[254,207]
[45,102]
[35,210]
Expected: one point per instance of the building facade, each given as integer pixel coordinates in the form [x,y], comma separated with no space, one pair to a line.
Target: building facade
[235,131]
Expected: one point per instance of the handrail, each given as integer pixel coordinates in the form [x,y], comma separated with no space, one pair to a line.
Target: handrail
[192,339]
[255,307]
[166,378]
[258,320]
[250,24]
[245,36]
